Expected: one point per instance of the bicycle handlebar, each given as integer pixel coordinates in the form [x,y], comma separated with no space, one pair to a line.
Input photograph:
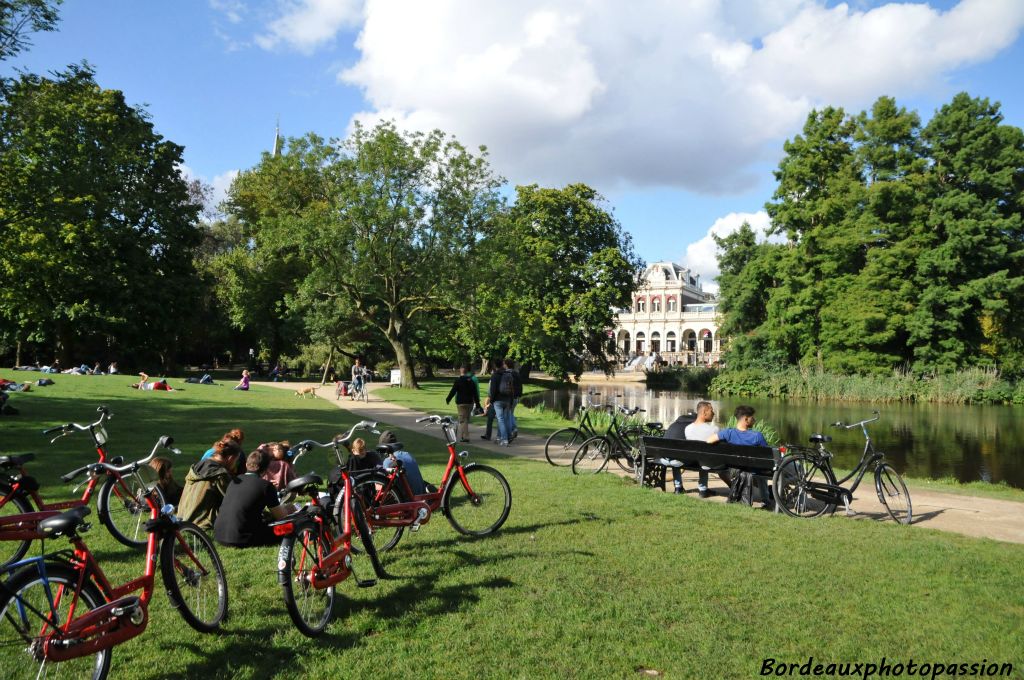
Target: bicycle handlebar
[850,426]
[67,429]
[164,442]
[307,444]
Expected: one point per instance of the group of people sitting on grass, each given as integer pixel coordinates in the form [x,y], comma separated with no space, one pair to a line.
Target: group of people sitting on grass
[236,496]
[82,369]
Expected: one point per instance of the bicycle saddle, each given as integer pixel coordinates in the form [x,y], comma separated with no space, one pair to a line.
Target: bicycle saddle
[301,483]
[655,426]
[16,461]
[64,523]
[820,438]
[393,447]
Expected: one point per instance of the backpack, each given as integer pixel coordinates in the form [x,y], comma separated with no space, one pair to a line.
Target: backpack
[507,386]
[742,489]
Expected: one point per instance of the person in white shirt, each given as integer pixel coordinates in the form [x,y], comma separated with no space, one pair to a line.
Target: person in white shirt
[702,429]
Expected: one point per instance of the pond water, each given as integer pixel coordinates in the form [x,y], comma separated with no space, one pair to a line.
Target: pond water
[968,443]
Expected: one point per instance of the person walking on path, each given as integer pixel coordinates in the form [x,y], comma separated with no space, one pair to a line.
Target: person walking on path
[466,397]
[517,394]
[501,391]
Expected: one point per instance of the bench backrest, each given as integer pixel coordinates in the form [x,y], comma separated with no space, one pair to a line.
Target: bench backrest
[720,455]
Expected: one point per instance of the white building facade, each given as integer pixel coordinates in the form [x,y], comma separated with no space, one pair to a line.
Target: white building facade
[672,320]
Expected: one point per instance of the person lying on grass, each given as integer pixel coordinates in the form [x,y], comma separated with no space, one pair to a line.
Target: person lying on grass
[144,384]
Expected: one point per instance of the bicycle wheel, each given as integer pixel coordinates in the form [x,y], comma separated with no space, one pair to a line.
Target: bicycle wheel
[123,508]
[561,446]
[893,493]
[12,551]
[792,481]
[310,608]
[592,456]
[368,487]
[625,457]
[194,577]
[479,506]
[25,618]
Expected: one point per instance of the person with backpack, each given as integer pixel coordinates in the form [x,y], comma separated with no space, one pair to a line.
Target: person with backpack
[744,434]
[501,391]
[517,394]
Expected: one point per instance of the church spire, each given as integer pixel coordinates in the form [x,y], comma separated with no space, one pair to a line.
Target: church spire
[277,138]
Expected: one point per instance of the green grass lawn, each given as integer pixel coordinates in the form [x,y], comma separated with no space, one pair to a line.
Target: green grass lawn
[591,577]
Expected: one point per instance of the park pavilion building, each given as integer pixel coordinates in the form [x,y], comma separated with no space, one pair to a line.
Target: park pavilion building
[672,320]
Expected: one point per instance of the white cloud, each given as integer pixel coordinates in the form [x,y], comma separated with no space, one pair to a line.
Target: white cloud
[218,186]
[701,257]
[305,25]
[233,10]
[689,95]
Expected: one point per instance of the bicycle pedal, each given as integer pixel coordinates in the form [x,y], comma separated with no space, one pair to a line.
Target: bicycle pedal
[368,583]
[414,527]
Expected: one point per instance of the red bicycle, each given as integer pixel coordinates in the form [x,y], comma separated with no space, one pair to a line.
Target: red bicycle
[316,550]
[475,498]
[120,503]
[61,608]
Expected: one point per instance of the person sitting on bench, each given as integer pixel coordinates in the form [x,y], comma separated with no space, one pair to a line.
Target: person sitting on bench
[702,427]
[744,435]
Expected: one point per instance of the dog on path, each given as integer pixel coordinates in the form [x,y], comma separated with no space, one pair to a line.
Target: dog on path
[303,391]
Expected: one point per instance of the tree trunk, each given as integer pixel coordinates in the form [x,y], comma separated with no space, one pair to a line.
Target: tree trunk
[327,367]
[485,364]
[428,371]
[17,353]
[403,354]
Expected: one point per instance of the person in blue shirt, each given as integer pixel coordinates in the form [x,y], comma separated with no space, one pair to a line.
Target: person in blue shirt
[744,434]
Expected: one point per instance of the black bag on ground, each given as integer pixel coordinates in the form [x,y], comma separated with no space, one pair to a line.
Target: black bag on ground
[742,489]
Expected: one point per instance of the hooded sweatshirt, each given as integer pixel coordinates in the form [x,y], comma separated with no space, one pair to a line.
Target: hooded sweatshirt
[205,485]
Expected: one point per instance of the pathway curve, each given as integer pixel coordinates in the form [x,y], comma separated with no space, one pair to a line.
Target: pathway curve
[968,515]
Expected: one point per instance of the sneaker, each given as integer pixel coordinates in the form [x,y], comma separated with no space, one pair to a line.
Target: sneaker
[678,490]
[430,488]
[515,433]
[502,442]
[704,493]
[483,436]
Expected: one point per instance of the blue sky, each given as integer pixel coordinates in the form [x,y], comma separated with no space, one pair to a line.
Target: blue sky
[676,112]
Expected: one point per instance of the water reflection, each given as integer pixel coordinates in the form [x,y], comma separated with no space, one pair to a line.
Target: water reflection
[968,443]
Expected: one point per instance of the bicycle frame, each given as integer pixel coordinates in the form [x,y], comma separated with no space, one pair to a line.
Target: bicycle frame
[868,457]
[26,485]
[123,617]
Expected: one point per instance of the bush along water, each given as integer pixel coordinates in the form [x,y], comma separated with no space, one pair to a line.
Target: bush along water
[692,379]
[968,386]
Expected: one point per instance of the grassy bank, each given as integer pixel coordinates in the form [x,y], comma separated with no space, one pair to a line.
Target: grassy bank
[971,386]
[590,577]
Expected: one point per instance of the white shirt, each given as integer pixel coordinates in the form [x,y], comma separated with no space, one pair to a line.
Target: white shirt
[700,431]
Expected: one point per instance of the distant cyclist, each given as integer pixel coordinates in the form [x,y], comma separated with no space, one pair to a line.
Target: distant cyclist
[359,374]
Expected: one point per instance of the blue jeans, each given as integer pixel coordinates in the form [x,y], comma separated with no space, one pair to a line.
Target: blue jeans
[412,471]
[502,411]
[513,424]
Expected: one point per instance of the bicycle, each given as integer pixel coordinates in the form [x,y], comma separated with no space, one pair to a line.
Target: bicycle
[316,547]
[120,503]
[805,485]
[475,498]
[618,444]
[562,444]
[60,608]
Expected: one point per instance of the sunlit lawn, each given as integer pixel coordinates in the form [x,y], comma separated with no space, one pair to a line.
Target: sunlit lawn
[590,578]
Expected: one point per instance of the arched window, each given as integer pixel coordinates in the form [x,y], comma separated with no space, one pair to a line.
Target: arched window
[655,341]
[671,304]
[708,340]
[641,305]
[655,305]
[670,340]
[641,339]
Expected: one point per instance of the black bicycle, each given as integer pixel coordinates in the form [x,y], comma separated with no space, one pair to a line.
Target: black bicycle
[805,484]
[561,446]
[620,444]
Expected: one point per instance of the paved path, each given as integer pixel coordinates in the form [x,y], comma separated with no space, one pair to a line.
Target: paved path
[968,515]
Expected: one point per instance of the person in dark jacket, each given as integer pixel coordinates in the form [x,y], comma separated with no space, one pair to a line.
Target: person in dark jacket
[466,398]
[501,392]
[517,394]
[240,522]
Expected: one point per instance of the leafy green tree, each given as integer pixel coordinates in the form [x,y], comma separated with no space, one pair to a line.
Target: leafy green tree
[971,272]
[558,265]
[386,222]
[18,18]
[97,228]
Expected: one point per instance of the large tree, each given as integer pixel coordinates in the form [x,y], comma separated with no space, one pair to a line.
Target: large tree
[97,227]
[388,223]
[557,266]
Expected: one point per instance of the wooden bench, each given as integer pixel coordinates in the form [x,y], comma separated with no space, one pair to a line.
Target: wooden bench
[657,454]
